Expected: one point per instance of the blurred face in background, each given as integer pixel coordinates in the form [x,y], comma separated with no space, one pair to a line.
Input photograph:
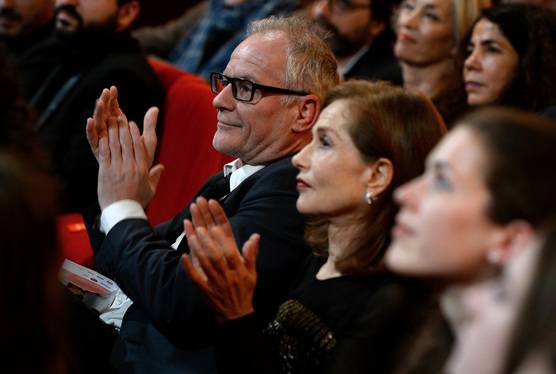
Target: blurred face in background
[491,66]
[349,22]
[22,17]
[425,30]
[442,230]
[74,17]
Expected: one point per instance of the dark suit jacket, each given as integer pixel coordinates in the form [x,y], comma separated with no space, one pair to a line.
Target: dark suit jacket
[96,65]
[139,258]
[378,63]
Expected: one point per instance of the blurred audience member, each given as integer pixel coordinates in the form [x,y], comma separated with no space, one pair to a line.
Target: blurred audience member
[60,327]
[25,25]
[360,37]
[17,133]
[511,58]
[545,3]
[204,37]
[429,32]
[102,53]
[34,338]
[32,299]
[344,314]
[529,287]
[484,197]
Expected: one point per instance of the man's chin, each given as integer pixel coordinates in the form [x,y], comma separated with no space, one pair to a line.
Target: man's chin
[67,35]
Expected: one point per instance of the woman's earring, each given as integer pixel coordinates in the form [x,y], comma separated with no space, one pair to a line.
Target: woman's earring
[369,198]
[493,258]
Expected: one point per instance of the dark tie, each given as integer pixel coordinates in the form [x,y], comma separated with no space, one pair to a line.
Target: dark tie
[219,190]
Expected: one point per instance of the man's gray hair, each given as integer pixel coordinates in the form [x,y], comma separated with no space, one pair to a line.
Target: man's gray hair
[310,64]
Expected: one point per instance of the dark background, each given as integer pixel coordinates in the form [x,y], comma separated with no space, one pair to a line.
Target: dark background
[156,12]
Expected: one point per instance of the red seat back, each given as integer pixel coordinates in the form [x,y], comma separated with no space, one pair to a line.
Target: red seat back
[187,125]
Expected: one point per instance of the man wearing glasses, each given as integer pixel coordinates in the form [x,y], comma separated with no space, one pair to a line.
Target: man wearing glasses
[268,99]
[360,37]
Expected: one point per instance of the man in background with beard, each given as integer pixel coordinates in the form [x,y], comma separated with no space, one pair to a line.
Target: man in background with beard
[360,37]
[99,52]
[24,27]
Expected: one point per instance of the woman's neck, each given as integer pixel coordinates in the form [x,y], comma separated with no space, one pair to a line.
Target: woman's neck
[459,302]
[340,238]
[429,79]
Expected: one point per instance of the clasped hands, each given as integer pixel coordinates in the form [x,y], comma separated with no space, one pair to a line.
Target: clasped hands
[225,278]
[125,156]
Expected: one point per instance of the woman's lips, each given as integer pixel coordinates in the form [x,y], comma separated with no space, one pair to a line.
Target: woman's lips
[301,184]
[405,38]
[472,85]
[400,231]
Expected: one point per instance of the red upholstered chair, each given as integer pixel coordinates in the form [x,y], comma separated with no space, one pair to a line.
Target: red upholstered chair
[188,123]
[186,126]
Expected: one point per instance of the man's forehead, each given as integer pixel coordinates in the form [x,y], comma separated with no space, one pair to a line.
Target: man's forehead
[257,56]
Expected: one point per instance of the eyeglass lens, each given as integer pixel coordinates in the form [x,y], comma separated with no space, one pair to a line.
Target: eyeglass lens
[241,89]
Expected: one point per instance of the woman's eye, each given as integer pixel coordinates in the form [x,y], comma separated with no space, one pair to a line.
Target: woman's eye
[441,182]
[324,141]
[432,16]
[408,6]
[493,50]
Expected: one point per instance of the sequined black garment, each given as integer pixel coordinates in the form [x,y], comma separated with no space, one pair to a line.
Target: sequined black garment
[300,337]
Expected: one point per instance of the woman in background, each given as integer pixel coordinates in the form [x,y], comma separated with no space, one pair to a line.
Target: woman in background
[511,55]
[487,191]
[344,314]
[429,32]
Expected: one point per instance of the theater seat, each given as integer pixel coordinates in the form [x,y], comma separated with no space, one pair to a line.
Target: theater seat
[186,126]
[185,143]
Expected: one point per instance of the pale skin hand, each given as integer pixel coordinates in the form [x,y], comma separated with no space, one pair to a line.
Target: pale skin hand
[125,156]
[225,277]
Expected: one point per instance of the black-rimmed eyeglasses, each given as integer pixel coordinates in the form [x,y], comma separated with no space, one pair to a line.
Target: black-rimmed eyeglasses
[245,90]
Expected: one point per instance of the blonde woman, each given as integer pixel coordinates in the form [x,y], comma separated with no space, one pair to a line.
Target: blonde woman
[428,36]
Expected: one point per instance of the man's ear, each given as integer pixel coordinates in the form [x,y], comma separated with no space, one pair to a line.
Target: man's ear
[127,14]
[309,108]
[379,175]
[375,29]
[511,240]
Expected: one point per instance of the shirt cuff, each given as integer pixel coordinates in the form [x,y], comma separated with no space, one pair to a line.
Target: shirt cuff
[118,211]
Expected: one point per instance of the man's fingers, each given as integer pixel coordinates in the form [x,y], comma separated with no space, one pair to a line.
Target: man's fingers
[203,206]
[137,142]
[195,276]
[149,132]
[154,175]
[114,139]
[104,100]
[196,216]
[113,105]
[126,142]
[92,136]
[219,216]
[251,251]
[100,116]
[202,253]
